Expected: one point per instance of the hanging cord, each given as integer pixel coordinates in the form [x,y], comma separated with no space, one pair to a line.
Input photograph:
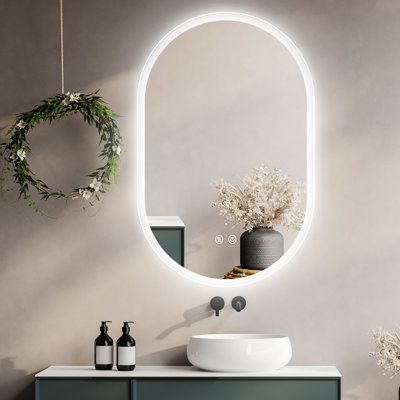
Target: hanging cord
[62,45]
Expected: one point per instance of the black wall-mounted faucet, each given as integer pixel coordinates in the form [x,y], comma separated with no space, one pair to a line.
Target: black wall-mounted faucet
[238,303]
[217,303]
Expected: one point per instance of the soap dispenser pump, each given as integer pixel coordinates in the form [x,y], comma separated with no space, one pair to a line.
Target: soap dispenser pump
[126,349]
[103,349]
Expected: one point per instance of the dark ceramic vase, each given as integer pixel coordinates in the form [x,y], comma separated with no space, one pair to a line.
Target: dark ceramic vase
[260,248]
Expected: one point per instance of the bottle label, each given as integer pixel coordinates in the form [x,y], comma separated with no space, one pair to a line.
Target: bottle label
[126,356]
[104,354]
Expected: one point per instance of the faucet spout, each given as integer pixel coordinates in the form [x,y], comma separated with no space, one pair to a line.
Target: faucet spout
[217,303]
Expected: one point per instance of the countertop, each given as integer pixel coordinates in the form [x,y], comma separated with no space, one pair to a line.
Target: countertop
[185,372]
[165,221]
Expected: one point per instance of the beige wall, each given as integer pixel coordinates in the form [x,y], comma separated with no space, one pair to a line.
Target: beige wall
[59,277]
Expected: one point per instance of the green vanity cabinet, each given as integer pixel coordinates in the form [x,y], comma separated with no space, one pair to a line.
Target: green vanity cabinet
[170,234]
[187,383]
[83,389]
[237,389]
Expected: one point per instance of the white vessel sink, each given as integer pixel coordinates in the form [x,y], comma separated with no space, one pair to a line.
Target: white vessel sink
[239,352]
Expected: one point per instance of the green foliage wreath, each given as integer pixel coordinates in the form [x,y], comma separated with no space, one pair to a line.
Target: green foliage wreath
[15,149]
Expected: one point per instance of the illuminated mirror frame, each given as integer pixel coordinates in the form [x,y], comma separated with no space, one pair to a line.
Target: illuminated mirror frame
[141,94]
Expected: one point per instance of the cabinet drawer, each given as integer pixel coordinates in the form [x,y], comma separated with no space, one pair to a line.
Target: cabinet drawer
[172,240]
[83,389]
[238,389]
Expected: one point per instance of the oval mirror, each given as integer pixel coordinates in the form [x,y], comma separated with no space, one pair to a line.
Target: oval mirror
[225,149]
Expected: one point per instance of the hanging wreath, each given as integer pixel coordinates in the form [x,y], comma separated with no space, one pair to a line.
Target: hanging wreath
[15,151]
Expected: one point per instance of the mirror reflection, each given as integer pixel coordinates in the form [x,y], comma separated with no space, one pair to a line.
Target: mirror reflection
[226,154]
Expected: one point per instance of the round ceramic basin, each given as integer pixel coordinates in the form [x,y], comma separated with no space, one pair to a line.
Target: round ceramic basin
[239,352]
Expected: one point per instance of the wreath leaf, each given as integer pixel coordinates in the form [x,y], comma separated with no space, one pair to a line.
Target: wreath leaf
[15,148]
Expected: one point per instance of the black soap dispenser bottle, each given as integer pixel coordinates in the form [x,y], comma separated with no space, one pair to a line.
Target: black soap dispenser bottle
[126,350]
[103,349]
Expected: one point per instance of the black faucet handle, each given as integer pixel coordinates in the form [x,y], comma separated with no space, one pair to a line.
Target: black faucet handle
[238,303]
[217,303]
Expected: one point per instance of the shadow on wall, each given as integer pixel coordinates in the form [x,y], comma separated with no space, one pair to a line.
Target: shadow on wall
[16,382]
[190,316]
[172,356]
[371,384]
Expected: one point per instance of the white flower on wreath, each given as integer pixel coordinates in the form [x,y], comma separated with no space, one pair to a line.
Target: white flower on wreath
[71,97]
[117,150]
[21,124]
[95,185]
[21,153]
[85,193]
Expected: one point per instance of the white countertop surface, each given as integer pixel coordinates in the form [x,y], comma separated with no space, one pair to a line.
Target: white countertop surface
[185,372]
[165,220]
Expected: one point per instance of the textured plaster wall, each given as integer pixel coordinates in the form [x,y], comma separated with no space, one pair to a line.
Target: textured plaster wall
[59,277]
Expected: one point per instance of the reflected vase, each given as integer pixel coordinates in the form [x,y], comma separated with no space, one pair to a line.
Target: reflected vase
[260,248]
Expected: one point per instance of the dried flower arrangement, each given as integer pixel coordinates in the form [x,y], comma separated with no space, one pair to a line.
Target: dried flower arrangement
[387,351]
[265,199]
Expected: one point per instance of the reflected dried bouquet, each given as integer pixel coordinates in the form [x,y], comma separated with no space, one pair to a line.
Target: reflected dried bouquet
[387,351]
[264,199]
